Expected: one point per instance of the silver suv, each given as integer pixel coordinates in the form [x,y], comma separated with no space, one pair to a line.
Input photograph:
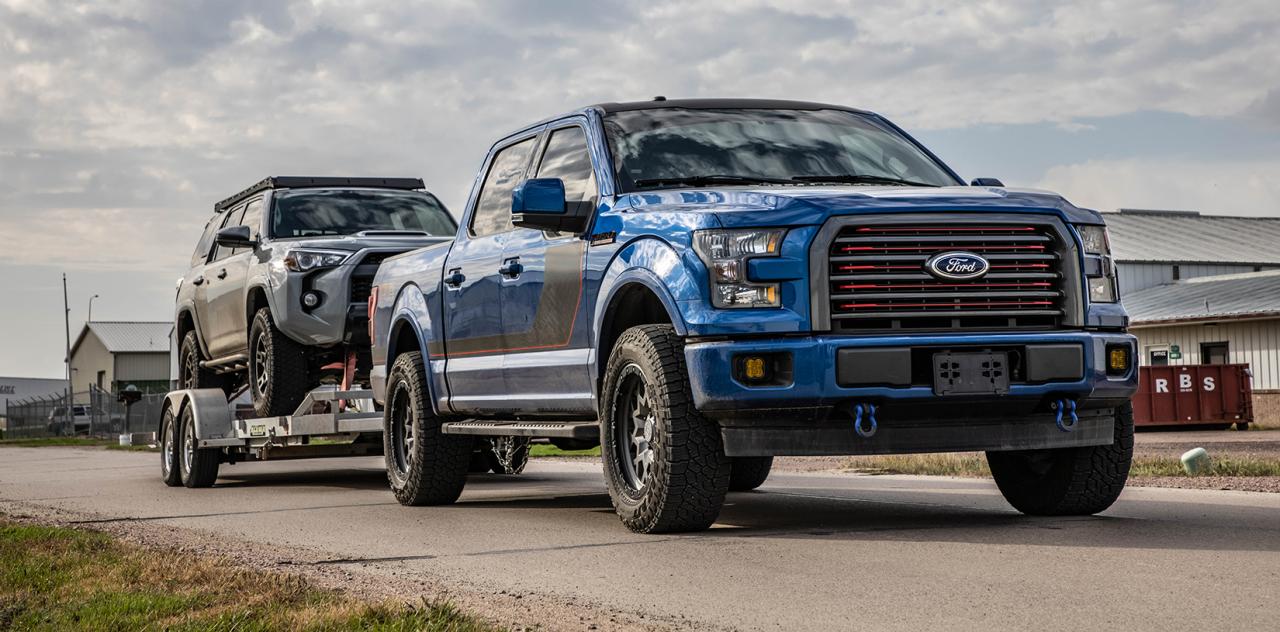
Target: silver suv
[277,292]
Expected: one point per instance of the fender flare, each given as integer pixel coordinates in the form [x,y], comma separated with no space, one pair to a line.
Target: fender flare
[634,264]
[410,310]
[189,308]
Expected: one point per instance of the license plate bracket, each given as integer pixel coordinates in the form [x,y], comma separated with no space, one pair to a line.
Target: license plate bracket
[970,373]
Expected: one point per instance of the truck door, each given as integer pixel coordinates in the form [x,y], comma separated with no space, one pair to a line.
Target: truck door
[542,287]
[474,341]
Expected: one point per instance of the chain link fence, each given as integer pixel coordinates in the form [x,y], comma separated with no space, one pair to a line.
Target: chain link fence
[93,413]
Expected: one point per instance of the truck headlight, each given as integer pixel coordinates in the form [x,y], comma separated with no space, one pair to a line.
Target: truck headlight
[1102,281]
[304,260]
[726,252]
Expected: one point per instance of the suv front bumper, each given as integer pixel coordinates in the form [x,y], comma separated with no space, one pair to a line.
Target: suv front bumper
[813,412]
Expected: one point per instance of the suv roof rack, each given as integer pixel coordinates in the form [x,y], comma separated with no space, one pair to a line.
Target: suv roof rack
[302,182]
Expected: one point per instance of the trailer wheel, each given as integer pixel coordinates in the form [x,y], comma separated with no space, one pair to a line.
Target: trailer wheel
[279,375]
[507,455]
[749,472]
[198,466]
[664,462]
[169,471]
[424,465]
[1067,481]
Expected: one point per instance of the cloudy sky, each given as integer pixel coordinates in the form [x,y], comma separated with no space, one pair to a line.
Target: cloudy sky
[121,122]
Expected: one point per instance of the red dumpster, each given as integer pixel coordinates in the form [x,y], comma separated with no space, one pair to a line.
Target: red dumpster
[1193,394]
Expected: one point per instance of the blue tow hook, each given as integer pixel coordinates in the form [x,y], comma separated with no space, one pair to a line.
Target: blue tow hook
[870,410]
[1067,406]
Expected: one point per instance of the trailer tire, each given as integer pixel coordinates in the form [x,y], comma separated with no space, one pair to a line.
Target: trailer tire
[664,462]
[1067,481]
[279,368]
[424,465]
[169,467]
[198,466]
[748,472]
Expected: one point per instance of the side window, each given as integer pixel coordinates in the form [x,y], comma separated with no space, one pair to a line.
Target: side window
[253,219]
[493,205]
[567,158]
[202,247]
[232,218]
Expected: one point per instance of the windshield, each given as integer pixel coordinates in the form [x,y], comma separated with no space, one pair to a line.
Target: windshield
[314,212]
[667,147]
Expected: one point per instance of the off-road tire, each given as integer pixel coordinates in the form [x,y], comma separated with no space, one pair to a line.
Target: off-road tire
[287,378]
[479,463]
[169,449]
[572,445]
[1242,425]
[507,455]
[1067,481]
[748,472]
[433,469]
[198,466]
[190,373]
[688,476]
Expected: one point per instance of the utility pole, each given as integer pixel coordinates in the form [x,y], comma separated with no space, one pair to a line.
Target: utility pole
[90,318]
[66,321]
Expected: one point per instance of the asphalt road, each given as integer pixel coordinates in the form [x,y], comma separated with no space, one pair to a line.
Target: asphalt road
[807,552]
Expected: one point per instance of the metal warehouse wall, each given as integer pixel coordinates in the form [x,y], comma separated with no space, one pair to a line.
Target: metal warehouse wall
[1256,342]
[1139,276]
[142,367]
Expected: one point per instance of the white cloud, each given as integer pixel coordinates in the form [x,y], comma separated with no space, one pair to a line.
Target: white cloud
[1223,188]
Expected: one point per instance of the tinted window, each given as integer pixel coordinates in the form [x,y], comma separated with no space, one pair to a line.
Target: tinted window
[567,158]
[313,212]
[202,247]
[232,218]
[780,146]
[493,206]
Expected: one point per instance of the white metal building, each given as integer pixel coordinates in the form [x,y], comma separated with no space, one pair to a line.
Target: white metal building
[110,355]
[1158,247]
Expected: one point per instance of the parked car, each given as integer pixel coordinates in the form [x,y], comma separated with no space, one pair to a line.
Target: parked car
[278,282]
[83,419]
[702,285]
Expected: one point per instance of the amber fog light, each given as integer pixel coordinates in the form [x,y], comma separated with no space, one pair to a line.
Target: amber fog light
[1118,359]
[763,369]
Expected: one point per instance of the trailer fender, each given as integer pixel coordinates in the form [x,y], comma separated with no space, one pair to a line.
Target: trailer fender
[209,410]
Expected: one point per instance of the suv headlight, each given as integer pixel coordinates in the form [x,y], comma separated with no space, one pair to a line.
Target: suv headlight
[726,252]
[1102,281]
[304,260]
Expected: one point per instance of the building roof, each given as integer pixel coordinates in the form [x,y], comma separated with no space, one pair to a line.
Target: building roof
[1187,237]
[128,336]
[1211,298]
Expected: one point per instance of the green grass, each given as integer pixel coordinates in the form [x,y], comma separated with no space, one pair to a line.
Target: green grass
[61,579]
[974,464]
[546,449]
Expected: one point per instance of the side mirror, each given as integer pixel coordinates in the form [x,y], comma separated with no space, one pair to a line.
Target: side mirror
[235,237]
[539,203]
[986,182]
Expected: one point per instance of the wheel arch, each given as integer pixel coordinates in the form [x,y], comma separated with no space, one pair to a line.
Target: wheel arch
[635,300]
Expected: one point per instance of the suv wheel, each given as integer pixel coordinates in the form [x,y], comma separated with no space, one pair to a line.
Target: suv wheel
[664,462]
[424,465]
[190,373]
[278,368]
[1067,481]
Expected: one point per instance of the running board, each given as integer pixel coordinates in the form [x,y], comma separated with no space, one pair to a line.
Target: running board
[557,429]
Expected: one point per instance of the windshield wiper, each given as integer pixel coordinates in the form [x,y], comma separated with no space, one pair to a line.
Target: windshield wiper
[860,178]
[709,179]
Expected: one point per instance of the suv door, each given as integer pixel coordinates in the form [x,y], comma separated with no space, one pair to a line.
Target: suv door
[473,313]
[224,279]
[546,360]
[206,317]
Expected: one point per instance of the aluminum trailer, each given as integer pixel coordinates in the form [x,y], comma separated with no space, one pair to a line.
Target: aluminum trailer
[200,430]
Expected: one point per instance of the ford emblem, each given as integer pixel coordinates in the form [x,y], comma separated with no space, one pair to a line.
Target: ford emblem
[957,266]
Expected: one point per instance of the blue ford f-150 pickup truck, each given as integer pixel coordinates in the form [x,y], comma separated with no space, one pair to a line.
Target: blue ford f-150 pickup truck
[702,285]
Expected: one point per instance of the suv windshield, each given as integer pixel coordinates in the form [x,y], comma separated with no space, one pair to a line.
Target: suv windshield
[315,212]
[666,147]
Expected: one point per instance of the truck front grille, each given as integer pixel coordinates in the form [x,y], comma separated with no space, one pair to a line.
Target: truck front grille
[878,279]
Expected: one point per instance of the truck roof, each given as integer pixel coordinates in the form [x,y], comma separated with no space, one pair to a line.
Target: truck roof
[728,104]
[303,182]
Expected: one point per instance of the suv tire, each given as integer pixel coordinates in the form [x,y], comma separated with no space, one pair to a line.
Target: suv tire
[279,373]
[1067,481]
[424,465]
[749,472]
[190,373]
[664,462]
[198,466]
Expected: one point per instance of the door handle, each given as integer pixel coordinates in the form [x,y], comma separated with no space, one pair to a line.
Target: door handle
[199,280]
[454,278]
[222,274]
[511,268]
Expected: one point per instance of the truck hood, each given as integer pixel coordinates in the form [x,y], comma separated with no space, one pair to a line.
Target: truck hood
[812,205]
[353,243]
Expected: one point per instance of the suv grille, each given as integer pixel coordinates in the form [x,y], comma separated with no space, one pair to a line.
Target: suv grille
[362,278]
[878,278]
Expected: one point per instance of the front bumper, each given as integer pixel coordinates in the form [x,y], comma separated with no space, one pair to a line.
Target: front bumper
[813,413]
